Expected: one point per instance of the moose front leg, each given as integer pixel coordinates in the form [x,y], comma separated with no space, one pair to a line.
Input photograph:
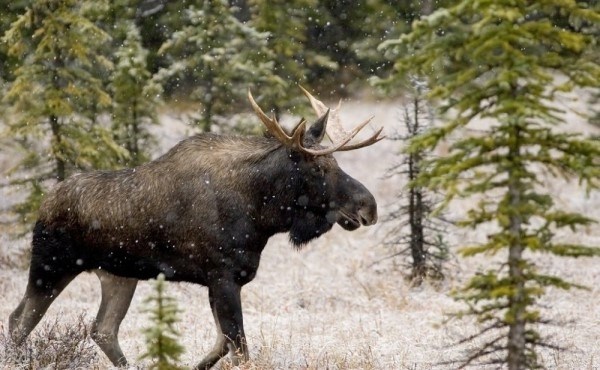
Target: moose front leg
[226,305]
[117,293]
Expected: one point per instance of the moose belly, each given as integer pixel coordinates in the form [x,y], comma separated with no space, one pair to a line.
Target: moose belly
[145,256]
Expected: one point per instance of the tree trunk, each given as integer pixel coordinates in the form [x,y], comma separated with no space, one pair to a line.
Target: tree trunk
[134,150]
[208,101]
[54,122]
[60,163]
[416,211]
[517,306]
[416,224]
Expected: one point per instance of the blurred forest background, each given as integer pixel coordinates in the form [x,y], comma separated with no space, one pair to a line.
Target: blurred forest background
[82,82]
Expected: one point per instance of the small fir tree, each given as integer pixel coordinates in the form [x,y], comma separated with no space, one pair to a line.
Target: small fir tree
[50,96]
[424,241]
[220,57]
[507,62]
[162,347]
[135,97]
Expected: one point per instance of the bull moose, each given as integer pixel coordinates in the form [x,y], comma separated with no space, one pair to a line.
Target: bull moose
[201,213]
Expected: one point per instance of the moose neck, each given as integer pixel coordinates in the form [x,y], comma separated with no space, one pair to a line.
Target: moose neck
[280,183]
[252,176]
[275,183]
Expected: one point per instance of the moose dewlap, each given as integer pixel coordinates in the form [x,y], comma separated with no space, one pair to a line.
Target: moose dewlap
[201,213]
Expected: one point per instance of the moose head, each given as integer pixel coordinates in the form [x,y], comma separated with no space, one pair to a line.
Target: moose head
[329,195]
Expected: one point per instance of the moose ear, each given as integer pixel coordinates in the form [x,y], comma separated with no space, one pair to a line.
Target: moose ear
[317,129]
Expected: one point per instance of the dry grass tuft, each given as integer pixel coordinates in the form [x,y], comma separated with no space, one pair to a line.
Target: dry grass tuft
[52,346]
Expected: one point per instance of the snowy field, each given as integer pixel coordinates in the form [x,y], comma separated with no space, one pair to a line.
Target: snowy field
[332,305]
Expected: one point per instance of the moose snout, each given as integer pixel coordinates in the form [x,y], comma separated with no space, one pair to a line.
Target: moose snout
[358,206]
[368,216]
[367,212]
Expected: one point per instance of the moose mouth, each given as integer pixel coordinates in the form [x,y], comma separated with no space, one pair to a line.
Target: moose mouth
[347,221]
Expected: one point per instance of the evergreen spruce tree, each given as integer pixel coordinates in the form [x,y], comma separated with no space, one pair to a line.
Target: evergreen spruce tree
[508,62]
[221,57]
[135,96]
[52,91]
[292,58]
[94,12]
[417,230]
[162,347]
[346,33]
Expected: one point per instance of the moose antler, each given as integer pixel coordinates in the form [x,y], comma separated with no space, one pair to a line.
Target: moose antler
[335,130]
[275,128]
[296,140]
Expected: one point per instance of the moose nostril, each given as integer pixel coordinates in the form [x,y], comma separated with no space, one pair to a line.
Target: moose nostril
[367,217]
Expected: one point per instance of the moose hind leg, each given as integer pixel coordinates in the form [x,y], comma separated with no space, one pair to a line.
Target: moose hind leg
[53,266]
[117,293]
[40,293]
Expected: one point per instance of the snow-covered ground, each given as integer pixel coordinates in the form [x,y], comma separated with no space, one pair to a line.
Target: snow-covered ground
[331,305]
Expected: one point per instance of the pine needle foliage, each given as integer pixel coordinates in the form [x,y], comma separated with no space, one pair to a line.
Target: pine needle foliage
[418,232]
[162,347]
[9,12]
[507,62]
[53,88]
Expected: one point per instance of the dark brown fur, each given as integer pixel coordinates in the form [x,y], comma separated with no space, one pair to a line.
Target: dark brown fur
[201,213]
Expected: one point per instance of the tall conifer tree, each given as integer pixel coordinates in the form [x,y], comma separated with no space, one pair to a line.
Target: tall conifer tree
[508,61]
[135,96]
[58,47]
[291,56]
[220,55]
[417,231]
